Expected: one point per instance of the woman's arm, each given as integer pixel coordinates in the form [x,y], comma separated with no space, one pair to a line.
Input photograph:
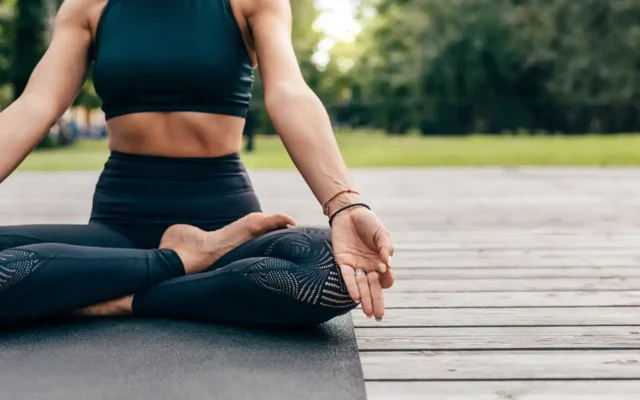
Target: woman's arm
[53,85]
[360,241]
[295,110]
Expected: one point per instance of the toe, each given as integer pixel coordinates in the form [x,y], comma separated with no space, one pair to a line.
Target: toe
[287,220]
[274,222]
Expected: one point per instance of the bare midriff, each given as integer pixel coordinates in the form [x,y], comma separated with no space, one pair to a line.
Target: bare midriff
[176,134]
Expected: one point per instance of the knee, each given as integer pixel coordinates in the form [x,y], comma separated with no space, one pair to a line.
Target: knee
[301,246]
[15,265]
[314,235]
[318,236]
[316,284]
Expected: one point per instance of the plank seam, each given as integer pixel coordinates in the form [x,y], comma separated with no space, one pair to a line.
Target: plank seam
[494,326]
[412,250]
[521,291]
[496,349]
[512,307]
[555,267]
[505,380]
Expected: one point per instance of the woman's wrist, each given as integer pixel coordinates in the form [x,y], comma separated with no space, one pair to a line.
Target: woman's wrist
[346,211]
[342,201]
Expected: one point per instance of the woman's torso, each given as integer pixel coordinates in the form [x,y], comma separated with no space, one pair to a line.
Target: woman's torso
[173,74]
[174,79]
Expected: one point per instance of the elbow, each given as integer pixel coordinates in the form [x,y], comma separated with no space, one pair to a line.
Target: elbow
[38,109]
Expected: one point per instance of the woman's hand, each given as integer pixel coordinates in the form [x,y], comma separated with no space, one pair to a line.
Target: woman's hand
[361,242]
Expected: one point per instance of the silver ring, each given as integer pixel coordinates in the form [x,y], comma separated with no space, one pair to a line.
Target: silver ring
[360,272]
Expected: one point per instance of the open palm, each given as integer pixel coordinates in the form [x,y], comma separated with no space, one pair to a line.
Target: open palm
[361,242]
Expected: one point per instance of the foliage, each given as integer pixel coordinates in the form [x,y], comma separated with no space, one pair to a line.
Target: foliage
[6,47]
[29,41]
[440,67]
[305,42]
[489,65]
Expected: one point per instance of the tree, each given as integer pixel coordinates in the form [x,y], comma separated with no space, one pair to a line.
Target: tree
[383,72]
[306,38]
[305,42]
[493,65]
[30,41]
[588,53]
[6,50]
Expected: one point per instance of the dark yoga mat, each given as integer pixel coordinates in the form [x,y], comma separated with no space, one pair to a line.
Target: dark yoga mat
[158,360]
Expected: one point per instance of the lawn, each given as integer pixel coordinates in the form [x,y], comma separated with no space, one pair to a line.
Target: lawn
[378,150]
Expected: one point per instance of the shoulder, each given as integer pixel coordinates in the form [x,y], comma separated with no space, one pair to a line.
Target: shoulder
[78,12]
[257,7]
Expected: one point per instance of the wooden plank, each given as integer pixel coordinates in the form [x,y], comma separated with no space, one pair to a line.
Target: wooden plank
[447,217]
[498,338]
[512,299]
[517,273]
[428,254]
[526,244]
[505,390]
[531,242]
[408,285]
[518,252]
[424,317]
[504,234]
[494,365]
[515,262]
[507,234]
[557,221]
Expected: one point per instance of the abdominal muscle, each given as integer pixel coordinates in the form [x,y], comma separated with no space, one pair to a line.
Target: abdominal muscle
[176,134]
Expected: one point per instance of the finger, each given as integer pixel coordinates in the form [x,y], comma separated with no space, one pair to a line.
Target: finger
[383,267]
[387,279]
[365,294]
[368,264]
[377,297]
[385,248]
[349,278]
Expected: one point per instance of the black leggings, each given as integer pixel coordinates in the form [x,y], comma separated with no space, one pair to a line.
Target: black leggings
[283,278]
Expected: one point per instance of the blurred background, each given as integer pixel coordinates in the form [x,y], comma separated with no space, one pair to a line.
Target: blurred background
[414,82]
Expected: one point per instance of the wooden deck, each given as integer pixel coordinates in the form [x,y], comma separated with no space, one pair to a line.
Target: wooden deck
[512,283]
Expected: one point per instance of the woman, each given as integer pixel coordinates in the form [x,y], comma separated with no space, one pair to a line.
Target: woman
[176,229]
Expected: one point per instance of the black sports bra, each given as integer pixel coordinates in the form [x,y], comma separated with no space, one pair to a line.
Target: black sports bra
[171,55]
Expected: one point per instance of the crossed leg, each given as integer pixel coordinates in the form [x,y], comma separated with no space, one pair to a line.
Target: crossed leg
[287,277]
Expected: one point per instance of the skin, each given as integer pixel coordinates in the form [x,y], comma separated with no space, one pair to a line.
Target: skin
[360,240]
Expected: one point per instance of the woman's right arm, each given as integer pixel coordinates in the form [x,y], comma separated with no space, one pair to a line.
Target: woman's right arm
[52,87]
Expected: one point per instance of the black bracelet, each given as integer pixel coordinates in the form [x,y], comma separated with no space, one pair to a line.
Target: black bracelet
[346,208]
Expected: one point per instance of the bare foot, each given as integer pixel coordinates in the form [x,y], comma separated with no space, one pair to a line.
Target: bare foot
[198,249]
[123,306]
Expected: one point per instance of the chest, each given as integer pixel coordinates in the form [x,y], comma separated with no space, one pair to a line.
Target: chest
[195,45]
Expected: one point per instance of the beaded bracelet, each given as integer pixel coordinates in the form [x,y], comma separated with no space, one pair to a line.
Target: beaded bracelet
[346,208]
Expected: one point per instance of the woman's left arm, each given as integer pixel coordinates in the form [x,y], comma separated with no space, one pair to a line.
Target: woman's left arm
[360,240]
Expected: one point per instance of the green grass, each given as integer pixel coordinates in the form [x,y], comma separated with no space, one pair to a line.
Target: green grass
[378,150]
